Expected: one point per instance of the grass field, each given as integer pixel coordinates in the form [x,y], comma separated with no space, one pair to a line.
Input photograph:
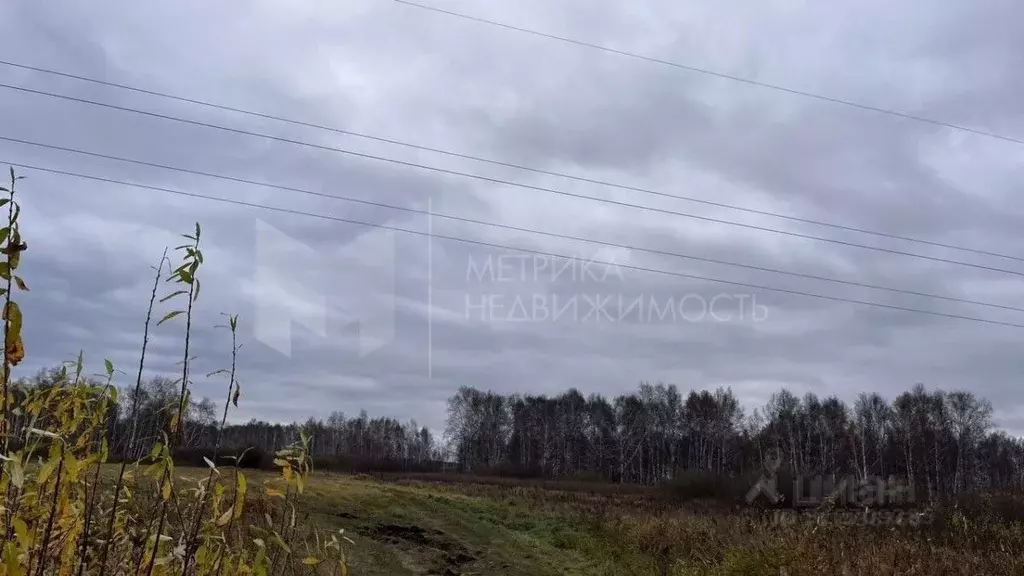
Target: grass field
[422,526]
[414,528]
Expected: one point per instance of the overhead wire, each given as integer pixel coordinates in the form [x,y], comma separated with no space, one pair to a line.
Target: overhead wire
[716,74]
[483,178]
[407,209]
[522,167]
[508,247]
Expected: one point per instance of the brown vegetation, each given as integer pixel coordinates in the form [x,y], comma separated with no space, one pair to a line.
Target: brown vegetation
[61,515]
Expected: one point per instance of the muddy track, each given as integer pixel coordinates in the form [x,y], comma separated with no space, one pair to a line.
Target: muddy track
[450,558]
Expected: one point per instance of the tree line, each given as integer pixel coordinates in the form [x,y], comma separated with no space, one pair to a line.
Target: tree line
[940,442]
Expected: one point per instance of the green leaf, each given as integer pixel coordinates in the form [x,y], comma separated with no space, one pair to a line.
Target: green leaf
[197,231]
[11,560]
[21,283]
[12,313]
[169,316]
[280,542]
[187,236]
[17,473]
[109,366]
[6,229]
[17,211]
[172,295]
[21,532]
[5,270]
[195,295]
[44,471]
[238,392]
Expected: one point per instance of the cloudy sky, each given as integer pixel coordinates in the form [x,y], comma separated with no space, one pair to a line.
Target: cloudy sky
[339,316]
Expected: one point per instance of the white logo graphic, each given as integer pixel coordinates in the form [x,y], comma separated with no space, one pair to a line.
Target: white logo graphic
[768,483]
[294,284]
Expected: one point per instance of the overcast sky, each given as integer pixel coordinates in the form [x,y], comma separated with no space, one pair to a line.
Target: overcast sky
[394,323]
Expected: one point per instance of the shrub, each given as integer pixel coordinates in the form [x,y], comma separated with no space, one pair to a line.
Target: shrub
[62,514]
[696,485]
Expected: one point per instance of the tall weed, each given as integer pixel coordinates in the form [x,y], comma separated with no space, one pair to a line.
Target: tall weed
[65,511]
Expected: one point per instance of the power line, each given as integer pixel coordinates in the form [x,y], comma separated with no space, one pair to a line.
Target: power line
[749,81]
[505,226]
[506,182]
[507,247]
[525,168]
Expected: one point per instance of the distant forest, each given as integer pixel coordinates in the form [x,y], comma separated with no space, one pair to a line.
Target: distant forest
[941,442]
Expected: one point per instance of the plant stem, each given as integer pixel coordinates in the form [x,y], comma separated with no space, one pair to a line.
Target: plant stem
[7,322]
[53,512]
[192,541]
[135,418]
[176,433]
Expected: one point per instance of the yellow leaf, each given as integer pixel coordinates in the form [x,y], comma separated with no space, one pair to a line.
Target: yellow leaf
[15,350]
[225,517]
[152,469]
[280,542]
[21,531]
[274,492]
[165,491]
[11,560]
[45,470]
[311,560]
[243,484]
[240,491]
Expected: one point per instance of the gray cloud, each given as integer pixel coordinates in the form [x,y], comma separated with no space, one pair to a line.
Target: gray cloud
[411,75]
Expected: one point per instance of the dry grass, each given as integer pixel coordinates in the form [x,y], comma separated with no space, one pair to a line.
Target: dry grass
[66,512]
[419,527]
[61,515]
